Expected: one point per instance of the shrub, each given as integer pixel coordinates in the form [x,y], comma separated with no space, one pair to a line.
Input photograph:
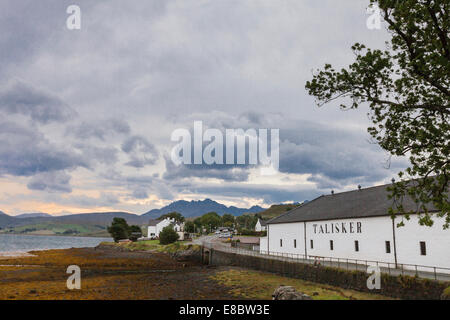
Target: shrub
[168,235]
[446,294]
[119,229]
[248,232]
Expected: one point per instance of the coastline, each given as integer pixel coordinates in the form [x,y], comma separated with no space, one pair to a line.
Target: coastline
[16,254]
[51,235]
[109,273]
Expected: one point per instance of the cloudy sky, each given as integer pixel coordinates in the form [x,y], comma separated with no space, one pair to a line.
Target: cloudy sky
[86,115]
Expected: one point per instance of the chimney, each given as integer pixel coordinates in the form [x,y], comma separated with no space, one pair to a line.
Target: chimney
[359,187]
[332,191]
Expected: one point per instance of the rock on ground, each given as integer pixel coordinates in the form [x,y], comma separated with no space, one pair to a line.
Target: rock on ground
[289,293]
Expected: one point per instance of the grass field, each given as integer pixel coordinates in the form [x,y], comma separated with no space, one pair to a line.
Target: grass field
[249,284]
[59,229]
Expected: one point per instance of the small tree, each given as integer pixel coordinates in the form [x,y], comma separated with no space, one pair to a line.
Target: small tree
[168,235]
[135,232]
[189,227]
[119,229]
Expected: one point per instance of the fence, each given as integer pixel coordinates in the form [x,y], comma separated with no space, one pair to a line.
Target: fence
[421,271]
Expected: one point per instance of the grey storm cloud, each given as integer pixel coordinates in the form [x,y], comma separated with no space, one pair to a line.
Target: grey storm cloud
[269,193]
[98,129]
[222,172]
[24,151]
[56,181]
[140,151]
[107,96]
[139,194]
[20,98]
[334,156]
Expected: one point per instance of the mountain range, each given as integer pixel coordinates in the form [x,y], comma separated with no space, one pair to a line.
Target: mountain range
[95,223]
[197,208]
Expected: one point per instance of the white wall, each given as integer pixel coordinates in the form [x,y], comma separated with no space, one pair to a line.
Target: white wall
[151,229]
[263,244]
[158,228]
[371,235]
[259,227]
[288,232]
[164,223]
[437,242]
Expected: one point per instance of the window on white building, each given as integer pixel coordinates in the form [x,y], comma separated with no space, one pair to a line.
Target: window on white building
[356,245]
[388,247]
[312,244]
[423,248]
[295,243]
[331,245]
[281,242]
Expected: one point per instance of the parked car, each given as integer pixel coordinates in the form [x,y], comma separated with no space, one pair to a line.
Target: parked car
[226,235]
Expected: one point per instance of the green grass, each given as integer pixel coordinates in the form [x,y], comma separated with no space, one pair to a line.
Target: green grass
[250,284]
[152,245]
[59,229]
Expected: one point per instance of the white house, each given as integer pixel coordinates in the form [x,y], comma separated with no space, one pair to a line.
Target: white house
[156,226]
[356,225]
[261,225]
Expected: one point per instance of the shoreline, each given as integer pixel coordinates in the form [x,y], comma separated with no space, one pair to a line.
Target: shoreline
[50,235]
[16,254]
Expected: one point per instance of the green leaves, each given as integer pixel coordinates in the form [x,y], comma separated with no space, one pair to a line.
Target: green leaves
[407,91]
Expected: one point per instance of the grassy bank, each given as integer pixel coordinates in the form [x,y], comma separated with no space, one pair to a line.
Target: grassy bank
[249,284]
[152,246]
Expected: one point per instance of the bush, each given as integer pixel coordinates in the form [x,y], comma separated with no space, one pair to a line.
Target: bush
[248,232]
[446,294]
[168,235]
[119,229]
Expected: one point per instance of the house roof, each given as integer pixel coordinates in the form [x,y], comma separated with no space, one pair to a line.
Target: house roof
[153,222]
[368,202]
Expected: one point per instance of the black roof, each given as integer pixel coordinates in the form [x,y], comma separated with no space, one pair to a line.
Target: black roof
[368,202]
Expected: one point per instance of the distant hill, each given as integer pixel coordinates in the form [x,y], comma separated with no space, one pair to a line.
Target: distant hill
[6,220]
[94,224]
[32,215]
[84,224]
[277,210]
[197,208]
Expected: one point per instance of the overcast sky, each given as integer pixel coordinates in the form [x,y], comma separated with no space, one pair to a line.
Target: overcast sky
[86,115]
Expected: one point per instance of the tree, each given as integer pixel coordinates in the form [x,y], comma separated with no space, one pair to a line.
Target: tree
[135,232]
[178,217]
[211,220]
[189,227]
[198,224]
[227,220]
[407,90]
[119,229]
[246,221]
[168,235]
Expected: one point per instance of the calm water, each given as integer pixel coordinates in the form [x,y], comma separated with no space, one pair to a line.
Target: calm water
[24,243]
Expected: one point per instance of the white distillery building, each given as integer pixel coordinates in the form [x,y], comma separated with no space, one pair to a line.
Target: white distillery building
[356,225]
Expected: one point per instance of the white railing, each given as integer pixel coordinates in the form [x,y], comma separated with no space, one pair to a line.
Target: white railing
[437,273]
